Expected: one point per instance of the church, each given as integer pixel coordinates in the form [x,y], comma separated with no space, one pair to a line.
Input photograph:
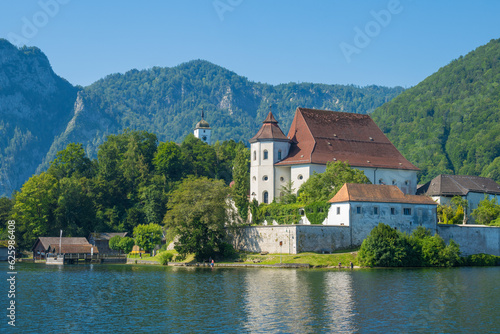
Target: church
[317,137]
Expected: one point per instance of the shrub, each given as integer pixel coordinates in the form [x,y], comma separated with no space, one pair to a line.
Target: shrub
[317,212]
[386,247]
[382,248]
[481,260]
[165,257]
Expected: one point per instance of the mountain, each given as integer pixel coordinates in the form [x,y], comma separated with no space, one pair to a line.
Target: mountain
[35,107]
[40,113]
[450,122]
[168,102]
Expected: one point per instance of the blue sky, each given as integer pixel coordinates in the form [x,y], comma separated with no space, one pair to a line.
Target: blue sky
[386,42]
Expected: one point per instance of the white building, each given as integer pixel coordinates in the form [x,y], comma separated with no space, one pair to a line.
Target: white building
[317,137]
[474,189]
[202,130]
[364,206]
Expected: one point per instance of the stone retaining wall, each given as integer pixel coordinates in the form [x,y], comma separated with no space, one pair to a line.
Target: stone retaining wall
[473,239]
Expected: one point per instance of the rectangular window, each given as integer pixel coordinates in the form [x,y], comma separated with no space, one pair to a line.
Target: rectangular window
[375,210]
[393,211]
[358,210]
[407,211]
[338,210]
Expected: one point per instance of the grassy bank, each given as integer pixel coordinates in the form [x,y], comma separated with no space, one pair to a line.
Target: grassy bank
[313,259]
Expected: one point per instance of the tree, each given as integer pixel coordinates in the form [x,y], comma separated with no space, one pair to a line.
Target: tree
[168,161]
[148,236]
[322,187]
[288,192]
[487,212]
[199,157]
[71,161]
[6,205]
[126,244]
[198,211]
[75,212]
[34,209]
[241,178]
[114,242]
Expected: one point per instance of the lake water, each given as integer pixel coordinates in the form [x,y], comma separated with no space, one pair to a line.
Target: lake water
[150,299]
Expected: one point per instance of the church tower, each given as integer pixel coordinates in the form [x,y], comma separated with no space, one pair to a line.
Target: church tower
[202,129]
[268,147]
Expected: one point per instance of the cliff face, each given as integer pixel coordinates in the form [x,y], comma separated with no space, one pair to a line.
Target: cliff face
[35,105]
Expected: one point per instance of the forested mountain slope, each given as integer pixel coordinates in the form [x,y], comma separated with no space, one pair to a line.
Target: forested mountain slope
[450,122]
[35,107]
[168,102]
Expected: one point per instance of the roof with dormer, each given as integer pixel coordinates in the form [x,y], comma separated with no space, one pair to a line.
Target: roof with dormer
[321,136]
[459,185]
[352,192]
[269,131]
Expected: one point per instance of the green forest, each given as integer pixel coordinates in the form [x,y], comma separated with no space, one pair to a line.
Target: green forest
[450,122]
[129,184]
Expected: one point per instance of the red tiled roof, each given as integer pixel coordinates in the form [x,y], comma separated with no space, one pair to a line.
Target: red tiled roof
[351,192]
[320,136]
[269,130]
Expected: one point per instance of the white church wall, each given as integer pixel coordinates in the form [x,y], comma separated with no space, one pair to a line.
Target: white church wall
[299,174]
[406,180]
[282,177]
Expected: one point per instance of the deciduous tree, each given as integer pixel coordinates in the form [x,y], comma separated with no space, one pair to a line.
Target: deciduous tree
[198,212]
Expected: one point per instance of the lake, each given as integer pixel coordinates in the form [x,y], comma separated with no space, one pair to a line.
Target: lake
[155,299]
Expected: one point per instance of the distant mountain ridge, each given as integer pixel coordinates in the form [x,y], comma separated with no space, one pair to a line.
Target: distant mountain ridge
[450,122]
[40,113]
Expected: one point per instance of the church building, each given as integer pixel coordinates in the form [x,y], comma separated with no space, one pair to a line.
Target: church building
[317,137]
[202,130]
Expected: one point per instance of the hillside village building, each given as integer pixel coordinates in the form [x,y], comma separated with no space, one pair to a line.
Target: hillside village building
[474,189]
[317,137]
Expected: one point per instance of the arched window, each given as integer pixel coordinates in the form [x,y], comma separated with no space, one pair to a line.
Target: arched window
[381,181]
[279,154]
[255,155]
[265,195]
[266,154]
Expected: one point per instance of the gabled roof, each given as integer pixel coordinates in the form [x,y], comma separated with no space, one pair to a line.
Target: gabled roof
[72,249]
[352,192]
[321,136]
[459,185]
[47,241]
[107,235]
[269,130]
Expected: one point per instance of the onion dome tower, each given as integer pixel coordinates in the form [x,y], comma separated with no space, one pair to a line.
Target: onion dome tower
[202,130]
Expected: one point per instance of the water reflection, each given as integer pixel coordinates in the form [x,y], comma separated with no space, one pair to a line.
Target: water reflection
[295,301]
[119,298]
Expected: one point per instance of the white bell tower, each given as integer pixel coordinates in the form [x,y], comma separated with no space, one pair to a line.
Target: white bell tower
[268,147]
[202,130]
